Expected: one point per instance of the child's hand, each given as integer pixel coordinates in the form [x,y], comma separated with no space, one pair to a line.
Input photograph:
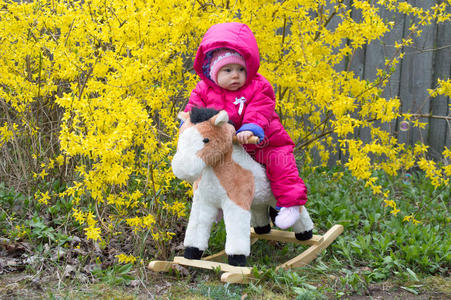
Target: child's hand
[243,136]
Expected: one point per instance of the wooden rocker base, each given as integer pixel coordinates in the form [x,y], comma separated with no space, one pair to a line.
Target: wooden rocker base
[234,274]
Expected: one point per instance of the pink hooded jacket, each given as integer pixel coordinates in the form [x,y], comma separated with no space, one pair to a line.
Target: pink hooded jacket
[252,107]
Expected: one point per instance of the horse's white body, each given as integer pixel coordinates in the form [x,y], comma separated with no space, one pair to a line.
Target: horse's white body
[210,193]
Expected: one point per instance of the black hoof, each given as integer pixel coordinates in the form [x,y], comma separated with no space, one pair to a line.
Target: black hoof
[303,236]
[238,260]
[273,214]
[192,253]
[262,229]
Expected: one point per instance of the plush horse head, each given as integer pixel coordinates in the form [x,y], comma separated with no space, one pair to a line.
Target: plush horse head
[206,139]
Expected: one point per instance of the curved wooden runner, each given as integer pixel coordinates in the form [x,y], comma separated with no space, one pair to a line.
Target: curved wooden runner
[234,274]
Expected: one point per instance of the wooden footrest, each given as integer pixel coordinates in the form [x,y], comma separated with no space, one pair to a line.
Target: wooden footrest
[211,265]
[232,274]
[286,237]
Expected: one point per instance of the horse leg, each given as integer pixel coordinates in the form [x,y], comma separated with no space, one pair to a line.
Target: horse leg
[303,228]
[260,219]
[237,224]
[197,233]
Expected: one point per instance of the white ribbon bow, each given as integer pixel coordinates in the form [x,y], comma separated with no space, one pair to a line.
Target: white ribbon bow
[240,101]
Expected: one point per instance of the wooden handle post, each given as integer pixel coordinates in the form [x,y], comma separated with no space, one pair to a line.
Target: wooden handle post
[251,140]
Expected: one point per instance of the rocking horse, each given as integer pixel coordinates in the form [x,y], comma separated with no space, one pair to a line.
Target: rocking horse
[226,178]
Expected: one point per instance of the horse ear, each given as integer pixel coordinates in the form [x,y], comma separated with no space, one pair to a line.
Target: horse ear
[221,118]
[183,116]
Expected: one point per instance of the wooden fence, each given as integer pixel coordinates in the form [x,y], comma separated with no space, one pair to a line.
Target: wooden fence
[428,59]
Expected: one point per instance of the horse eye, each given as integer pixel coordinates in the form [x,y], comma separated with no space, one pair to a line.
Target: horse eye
[206,140]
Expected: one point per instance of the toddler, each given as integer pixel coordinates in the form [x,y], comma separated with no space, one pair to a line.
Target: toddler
[227,62]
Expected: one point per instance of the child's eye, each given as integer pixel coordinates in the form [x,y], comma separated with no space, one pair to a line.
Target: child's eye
[242,69]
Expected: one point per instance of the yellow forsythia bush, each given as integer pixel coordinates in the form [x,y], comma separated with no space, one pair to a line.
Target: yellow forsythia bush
[95,86]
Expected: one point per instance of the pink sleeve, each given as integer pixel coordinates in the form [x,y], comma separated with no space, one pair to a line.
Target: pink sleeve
[261,108]
[195,99]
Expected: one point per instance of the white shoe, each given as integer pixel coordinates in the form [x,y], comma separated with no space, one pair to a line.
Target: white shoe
[287,216]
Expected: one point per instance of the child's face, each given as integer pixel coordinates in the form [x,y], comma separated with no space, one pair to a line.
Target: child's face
[231,77]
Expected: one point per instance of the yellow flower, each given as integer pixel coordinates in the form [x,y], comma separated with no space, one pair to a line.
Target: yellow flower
[123,258]
[42,174]
[90,219]
[447,152]
[412,219]
[78,215]
[44,197]
[92,233]
[148,221]
[59,160]
[395,211]
[407,218]
[390,203]
[177,208]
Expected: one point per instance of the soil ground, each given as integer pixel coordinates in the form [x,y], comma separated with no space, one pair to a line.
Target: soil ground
[20,285]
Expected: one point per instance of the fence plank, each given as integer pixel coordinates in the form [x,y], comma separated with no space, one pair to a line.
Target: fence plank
[439,128]
[357,65]
[416,77]
[380,50]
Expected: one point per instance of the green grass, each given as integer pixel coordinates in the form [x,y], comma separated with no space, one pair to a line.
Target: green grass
[379,240]
[376,247]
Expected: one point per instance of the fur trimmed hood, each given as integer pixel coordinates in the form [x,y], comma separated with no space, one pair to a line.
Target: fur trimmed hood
[235,36]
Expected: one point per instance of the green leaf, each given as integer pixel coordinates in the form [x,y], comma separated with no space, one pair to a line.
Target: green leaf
[410,290]
[412,274]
